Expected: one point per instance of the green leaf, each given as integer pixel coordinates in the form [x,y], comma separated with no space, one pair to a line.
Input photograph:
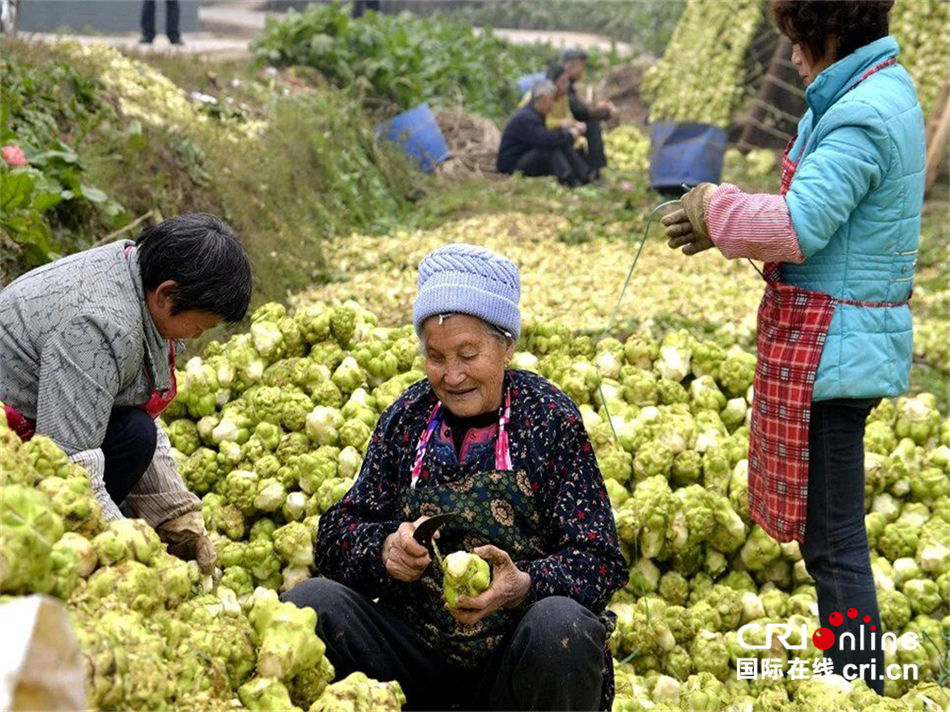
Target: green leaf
[93,195]
[15,190]
[45,201]
[51,157]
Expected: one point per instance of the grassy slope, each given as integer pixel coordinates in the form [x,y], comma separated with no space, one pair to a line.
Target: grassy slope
[314,173]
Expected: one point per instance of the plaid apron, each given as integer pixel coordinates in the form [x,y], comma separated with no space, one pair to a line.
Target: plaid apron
[792,325]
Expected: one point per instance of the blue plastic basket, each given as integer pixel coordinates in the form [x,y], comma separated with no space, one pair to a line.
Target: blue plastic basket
[689,153]
[529,80]
[419,135]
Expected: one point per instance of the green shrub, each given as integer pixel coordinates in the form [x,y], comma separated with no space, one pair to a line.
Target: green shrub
[402,58]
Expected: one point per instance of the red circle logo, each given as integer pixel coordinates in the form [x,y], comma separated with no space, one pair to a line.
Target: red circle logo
[873,627]
[823,638]
[836,619]
[852,613]
[867,619]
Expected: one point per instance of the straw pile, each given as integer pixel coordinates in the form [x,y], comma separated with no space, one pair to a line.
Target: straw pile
[473,141]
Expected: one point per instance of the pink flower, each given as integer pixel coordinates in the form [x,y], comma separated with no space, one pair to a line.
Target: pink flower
[13,156]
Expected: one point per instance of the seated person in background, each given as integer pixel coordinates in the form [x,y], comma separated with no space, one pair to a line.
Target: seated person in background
[575,61]
[529,146]
[560,116]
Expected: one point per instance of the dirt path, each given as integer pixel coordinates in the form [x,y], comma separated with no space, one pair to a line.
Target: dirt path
[197,44]
[559,39]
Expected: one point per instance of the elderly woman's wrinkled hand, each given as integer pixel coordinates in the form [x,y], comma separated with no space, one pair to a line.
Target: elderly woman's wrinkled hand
[509,586]
[404,558]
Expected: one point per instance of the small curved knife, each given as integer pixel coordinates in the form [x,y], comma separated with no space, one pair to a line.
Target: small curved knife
[425,531]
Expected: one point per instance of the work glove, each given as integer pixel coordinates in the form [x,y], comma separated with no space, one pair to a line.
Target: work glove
[686,227]
[187,539]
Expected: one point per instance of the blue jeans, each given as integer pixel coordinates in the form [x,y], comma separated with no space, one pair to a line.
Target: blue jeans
[836,541]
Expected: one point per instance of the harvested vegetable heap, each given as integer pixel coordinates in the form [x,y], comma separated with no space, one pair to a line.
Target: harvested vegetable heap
[270,429]
[153,633]
[704,67]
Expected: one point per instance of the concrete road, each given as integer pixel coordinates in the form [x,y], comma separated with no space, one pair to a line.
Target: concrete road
[227,28]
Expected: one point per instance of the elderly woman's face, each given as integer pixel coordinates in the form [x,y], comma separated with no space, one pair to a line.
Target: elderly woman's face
[465,365]
[544,104]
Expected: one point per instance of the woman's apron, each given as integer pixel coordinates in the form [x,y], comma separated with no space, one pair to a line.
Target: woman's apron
[494,507]
[157,402]
[792,326]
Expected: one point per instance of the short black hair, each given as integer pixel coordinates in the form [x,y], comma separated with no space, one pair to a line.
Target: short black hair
[199,252]
[854,23]
[556,70]
[573,53]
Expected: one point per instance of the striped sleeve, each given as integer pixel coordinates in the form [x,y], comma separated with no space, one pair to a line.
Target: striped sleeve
[161,494]
[93,461]
[757,226]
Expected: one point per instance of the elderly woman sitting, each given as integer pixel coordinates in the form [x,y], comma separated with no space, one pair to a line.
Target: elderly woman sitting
[507,452]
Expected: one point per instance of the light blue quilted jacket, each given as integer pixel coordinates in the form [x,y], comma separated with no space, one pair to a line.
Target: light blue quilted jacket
[855,203]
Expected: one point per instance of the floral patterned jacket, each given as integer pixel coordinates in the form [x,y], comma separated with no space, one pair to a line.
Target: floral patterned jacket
[547,441]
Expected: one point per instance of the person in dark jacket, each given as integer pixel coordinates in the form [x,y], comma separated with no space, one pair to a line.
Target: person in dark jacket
[575,61]
[528,146]
[506,453]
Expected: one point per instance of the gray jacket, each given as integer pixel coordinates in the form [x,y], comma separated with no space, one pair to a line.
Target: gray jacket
[76,339]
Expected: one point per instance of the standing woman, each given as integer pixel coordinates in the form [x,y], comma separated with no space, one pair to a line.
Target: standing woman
[834,329]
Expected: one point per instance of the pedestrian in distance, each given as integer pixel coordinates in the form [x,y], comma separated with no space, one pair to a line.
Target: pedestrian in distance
[592,115]
[172,16]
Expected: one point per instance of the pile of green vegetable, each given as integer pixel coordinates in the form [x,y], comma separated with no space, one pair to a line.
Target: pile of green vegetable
[275,423]
[703,69]
[923,30]
[700,75]
[404,59]
[270,429]
[156,634]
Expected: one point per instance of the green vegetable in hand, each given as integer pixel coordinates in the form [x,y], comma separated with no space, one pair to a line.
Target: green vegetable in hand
[465,575]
